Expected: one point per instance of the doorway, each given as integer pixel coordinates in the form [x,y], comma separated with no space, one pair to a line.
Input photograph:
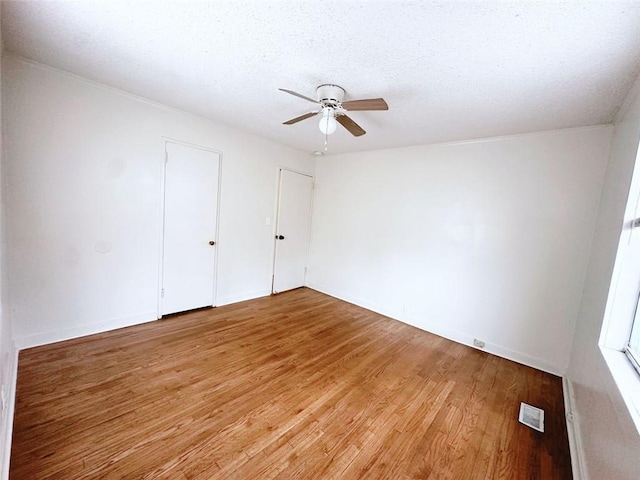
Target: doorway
[293,228]
[189,228]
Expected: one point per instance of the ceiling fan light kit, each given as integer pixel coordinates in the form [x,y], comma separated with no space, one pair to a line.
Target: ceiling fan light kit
[333,110]
[328,122]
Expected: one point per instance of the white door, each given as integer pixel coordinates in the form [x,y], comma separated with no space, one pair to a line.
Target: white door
[292,230]
[190,218]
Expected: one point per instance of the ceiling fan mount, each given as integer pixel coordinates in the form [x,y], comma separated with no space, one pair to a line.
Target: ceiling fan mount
[333,108]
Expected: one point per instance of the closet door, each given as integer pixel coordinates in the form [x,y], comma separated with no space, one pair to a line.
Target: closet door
[292,230]
[190,219]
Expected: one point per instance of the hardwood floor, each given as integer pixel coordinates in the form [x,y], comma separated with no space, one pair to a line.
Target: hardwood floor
[296,386]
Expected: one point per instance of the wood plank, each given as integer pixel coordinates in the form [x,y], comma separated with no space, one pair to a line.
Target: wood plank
[299,385]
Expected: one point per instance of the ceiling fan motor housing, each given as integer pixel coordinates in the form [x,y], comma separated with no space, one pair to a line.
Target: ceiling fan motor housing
[330,95]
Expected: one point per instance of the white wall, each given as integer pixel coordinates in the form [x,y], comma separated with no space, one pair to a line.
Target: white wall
[609,443]
[8,354]
[84,165]
[483,239]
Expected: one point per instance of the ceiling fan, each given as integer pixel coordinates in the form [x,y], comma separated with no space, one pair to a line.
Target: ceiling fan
[333,110]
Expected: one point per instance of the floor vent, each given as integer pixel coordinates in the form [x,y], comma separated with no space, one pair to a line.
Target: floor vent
[531,416]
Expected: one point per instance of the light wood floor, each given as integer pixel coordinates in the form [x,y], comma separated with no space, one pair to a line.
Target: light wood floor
[296,386]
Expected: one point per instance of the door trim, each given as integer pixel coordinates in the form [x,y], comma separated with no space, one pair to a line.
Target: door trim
[165,142]
[277,220]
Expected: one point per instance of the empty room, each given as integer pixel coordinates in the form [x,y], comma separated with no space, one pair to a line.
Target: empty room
[320,239]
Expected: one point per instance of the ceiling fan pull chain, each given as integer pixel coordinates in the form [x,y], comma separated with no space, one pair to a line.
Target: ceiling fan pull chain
[326,142]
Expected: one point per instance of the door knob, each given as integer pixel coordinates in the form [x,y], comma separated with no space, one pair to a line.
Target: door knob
[279,237]
[212,242]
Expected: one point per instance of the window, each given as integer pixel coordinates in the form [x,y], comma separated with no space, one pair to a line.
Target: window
[631,276]
[620,339]
[620,335]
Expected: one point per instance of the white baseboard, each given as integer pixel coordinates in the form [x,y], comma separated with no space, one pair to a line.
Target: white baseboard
[241,297]
[45,338]
[7,420]
[573,431]
[448,333]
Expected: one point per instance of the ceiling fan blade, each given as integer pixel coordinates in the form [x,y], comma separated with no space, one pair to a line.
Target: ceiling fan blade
[300,118]
[368,104]
[354,129]
[291,92]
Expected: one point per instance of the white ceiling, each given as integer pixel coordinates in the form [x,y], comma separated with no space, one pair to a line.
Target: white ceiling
[449,70]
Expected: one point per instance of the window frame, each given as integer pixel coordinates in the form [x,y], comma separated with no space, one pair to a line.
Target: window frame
[632,354]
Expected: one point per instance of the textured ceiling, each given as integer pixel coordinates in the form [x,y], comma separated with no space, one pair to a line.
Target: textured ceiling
[448,70]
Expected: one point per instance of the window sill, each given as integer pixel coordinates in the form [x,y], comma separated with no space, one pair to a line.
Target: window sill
[627,380]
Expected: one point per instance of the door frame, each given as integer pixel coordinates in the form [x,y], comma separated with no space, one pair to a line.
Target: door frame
[277,220]
[163,171]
